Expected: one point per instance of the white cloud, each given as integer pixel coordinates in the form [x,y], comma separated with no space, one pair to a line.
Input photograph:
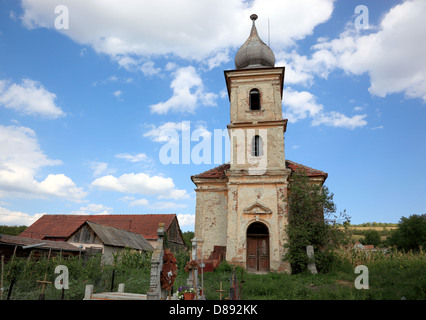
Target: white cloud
[302,104]
[159,205]
[188,93]
[378,127]
[167,205]
[169,131]
[132,28]
[17,218]
[393,55]
[140,183]
[131,63]
[21,160]
[29,98]
[148,69]
[166,132]
[138,202]
[186,219]
[140,157]
[222,56]
[175,194]
[117,94]
[170,66]
[301,69]
[60,185]
[100,168]
[93,208]
[336,119]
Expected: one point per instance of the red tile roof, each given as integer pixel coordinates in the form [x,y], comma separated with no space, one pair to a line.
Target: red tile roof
[220,171]
[62,225]
[310,172]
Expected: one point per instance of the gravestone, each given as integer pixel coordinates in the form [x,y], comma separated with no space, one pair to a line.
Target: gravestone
[193,282]
[155,291]
[311,262]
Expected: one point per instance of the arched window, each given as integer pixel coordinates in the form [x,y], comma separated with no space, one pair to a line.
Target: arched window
[254,99]
[257,146]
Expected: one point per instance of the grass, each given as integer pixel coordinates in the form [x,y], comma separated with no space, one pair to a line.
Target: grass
[392,276]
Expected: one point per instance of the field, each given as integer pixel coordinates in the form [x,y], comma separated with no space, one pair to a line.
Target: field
[392,276]
[357,232]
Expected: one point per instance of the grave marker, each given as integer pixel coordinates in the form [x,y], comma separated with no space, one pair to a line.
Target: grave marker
[220,291]
[311,263]
[155,292]
[44,282]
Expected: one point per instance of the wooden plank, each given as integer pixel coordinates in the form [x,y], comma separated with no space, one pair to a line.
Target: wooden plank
[118,296]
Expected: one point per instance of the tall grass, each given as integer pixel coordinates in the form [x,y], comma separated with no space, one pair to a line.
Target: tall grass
[392,274]
[364,257]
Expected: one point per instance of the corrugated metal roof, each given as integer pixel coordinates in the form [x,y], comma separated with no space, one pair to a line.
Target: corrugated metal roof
[44,244]
[120,238]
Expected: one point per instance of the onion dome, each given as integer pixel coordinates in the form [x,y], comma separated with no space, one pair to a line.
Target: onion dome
[254,53]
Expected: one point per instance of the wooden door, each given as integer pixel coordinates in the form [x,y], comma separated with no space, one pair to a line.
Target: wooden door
[251,253]
[258,253]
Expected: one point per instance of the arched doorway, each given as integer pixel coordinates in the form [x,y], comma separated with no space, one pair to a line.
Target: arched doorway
[257,247]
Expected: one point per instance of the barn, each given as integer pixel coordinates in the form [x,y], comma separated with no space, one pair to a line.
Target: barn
[62,227]
[94,237]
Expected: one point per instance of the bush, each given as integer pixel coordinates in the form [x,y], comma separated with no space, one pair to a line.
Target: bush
[224,267]
[182,257]
[411,233]
[371,237]
[310,210]
[324,261]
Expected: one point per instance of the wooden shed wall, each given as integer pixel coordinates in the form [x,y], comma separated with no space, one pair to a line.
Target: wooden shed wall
[174,237]
[85,235]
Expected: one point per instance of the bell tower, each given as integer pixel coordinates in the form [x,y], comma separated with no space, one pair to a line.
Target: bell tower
[257,177]
[255,91]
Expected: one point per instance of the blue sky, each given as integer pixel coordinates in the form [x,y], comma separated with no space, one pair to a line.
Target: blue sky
[86,91]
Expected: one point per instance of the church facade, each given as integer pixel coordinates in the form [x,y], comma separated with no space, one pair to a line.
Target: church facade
[241,207]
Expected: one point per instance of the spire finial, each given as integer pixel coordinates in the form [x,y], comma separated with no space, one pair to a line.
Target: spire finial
[254,53]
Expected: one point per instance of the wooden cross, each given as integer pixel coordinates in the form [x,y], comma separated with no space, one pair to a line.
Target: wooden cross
[44,282]
[220,291]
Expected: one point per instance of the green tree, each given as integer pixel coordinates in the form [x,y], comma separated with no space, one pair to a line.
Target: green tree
[372,237]
[187,236]
[312,221]
[12,230]
[411,233]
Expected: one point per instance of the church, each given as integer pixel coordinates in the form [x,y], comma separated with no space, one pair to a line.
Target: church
[241,209]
